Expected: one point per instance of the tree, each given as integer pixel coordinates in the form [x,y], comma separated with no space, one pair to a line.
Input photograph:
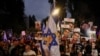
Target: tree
[12,15]
[32,20]
[82,11]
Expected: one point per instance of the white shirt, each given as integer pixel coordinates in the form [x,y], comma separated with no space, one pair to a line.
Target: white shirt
[29,53]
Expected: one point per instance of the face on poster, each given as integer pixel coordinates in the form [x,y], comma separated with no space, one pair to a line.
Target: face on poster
[76,35]
[67,26]
[65,29]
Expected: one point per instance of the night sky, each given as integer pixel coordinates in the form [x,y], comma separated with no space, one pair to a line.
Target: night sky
[40,8]
[95,8]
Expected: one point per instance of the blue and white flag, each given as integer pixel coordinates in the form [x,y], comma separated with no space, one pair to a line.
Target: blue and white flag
[44,28]
[52,29]
[52,25]
[49,30]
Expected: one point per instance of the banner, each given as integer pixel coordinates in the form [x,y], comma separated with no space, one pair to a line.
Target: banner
[72,20]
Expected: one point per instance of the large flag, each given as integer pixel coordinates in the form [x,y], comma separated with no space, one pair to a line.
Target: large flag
[44,47]
[52,29]
[52,25]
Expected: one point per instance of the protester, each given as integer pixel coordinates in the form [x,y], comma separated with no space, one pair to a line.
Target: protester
[28,51]
[68,42]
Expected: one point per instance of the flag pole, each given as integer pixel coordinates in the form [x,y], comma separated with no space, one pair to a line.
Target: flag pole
[54,3]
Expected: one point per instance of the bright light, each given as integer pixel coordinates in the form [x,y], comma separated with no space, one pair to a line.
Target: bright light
[55,12]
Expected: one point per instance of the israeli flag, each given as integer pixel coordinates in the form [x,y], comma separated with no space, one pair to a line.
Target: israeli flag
[49,30]
[52,29]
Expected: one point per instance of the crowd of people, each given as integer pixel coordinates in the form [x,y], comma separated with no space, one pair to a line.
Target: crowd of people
[69,41]
[30,45]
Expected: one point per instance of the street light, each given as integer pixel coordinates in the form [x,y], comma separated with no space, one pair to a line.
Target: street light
[55,12]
